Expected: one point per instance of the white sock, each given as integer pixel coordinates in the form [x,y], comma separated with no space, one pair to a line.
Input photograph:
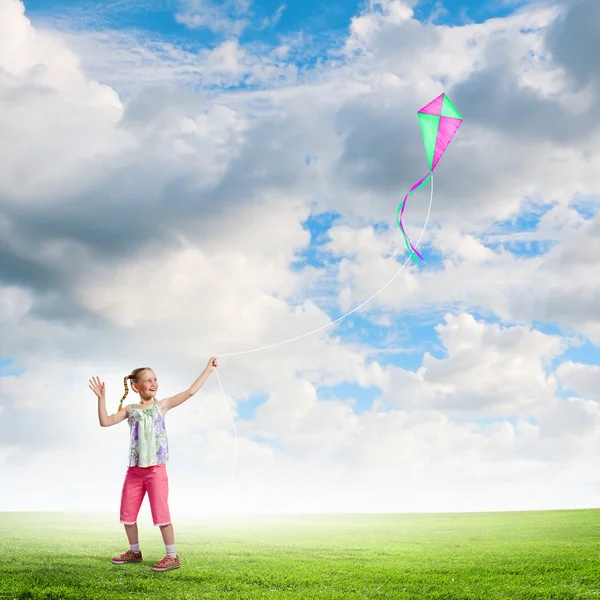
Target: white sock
[135,547]
[170,550]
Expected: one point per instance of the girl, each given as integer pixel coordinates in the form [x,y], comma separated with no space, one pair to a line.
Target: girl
[148,455]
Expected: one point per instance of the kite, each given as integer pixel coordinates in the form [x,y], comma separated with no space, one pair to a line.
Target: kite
[439,122]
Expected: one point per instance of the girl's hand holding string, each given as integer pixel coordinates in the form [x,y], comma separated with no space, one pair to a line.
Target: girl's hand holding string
[212,364]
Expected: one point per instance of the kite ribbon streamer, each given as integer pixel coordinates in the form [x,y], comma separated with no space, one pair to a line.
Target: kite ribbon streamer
[400,212]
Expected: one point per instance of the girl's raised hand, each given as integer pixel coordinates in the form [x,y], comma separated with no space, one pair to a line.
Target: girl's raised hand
[212,364]
[97,387]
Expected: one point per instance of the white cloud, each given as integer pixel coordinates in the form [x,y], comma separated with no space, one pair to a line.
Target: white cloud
[584,380]
[51,115]
[492,371]
[273,20]
[229,17]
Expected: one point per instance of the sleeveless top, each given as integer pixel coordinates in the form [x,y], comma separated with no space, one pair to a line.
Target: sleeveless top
[148,444]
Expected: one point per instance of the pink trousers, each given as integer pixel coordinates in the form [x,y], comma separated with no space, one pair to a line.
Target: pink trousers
[138,481]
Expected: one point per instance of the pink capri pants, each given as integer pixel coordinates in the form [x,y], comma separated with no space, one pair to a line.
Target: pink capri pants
[138,481]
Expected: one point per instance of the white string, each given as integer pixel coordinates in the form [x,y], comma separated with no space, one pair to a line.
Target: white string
[318,329]
[234,428]
[348,313]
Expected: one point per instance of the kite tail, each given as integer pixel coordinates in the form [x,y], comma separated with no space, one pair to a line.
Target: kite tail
[400,212]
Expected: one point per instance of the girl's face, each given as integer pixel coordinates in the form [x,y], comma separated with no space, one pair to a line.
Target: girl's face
[147,386]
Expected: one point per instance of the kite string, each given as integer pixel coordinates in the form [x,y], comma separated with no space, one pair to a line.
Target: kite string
[298,337]
[293,339]
[234,427]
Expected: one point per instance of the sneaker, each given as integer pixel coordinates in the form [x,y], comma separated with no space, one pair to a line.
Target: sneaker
[167,563]
[128,557]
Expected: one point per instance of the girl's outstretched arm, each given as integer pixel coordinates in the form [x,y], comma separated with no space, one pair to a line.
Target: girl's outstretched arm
[180,398]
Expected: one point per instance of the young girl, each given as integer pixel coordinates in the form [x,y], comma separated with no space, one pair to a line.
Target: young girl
[148,455]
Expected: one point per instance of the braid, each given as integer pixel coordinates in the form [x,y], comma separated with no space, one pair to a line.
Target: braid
[126,390]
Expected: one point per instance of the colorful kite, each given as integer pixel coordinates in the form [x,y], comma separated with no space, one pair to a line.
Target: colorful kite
[439,122]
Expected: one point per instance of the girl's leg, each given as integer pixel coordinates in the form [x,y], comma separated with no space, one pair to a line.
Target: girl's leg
[158,494]
[169,539]
[132,534]
[131,500]
[168,534]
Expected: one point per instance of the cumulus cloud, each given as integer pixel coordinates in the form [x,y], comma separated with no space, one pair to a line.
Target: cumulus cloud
[573,41]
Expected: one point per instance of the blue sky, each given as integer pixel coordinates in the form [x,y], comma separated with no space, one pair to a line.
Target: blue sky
[269,20]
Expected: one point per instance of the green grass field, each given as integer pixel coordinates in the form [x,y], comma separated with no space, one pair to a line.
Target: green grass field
[450,556]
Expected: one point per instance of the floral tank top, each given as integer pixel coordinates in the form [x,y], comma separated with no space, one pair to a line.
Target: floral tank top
[148,445]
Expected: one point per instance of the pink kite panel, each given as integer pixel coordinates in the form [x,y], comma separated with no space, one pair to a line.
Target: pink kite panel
[447,128]
[434,107]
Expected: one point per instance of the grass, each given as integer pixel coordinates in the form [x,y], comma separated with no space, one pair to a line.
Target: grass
[527,555]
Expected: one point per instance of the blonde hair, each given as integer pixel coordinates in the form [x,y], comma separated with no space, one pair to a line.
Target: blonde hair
[134,376]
